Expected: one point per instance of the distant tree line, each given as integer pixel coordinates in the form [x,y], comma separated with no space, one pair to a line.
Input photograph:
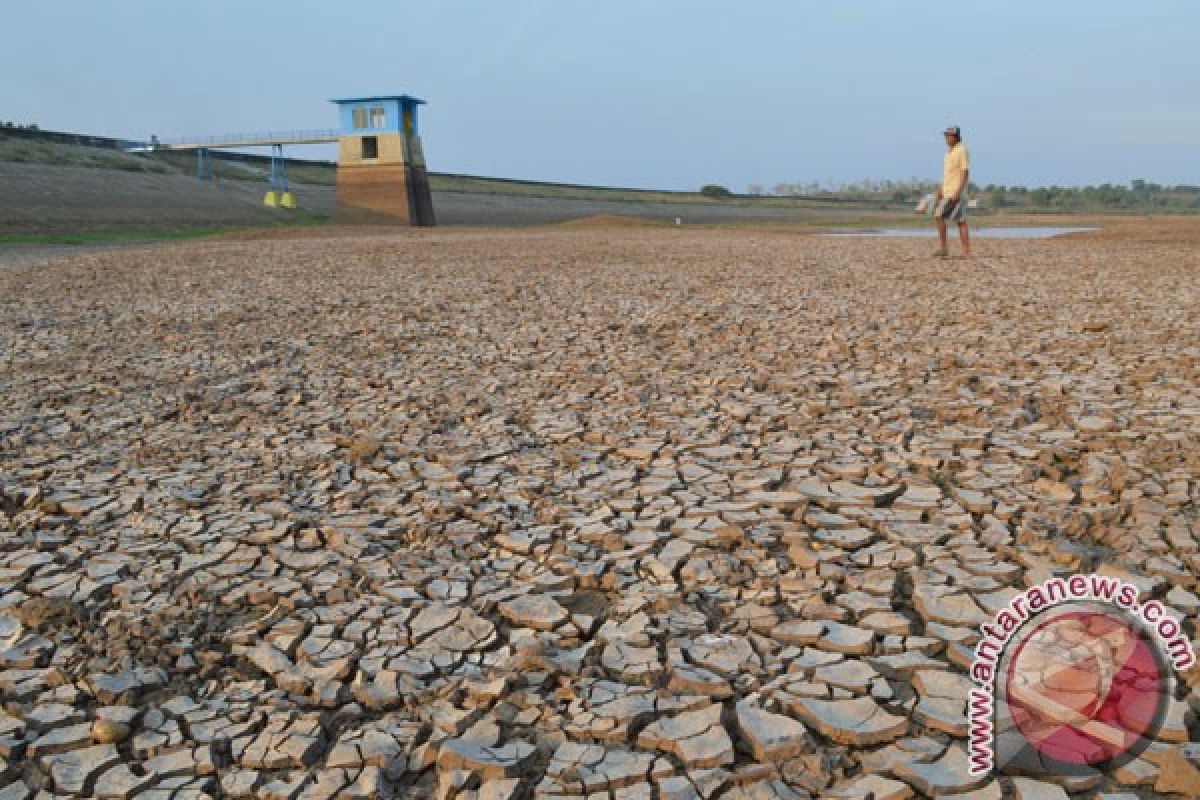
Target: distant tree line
[18,126]
[1138,195]
[868,189]
[715,190]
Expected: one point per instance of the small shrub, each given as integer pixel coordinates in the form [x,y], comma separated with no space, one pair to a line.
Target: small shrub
[716,191]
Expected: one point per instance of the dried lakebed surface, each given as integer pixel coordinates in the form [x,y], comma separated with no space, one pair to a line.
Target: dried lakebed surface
[604,513]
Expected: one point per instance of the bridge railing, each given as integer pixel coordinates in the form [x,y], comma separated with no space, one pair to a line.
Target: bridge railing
[247,139]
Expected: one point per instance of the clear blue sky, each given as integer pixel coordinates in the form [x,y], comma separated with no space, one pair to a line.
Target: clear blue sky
[656,93]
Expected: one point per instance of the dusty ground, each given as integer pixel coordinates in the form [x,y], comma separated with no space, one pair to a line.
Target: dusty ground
[18,254]
[661,513]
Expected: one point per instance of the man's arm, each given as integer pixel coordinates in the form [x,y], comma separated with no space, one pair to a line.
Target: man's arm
[963,186]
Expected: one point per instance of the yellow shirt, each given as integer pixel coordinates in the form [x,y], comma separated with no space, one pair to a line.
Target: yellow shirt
[954,170]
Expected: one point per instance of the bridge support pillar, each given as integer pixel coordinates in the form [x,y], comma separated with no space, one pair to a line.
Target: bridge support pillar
[279,195]
[204,169]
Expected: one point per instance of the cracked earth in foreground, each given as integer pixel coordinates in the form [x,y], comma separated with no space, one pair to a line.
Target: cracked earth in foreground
[627,513]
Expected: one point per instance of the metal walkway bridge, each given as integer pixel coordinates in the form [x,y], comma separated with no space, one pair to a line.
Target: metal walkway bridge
[279,193]
[234,140]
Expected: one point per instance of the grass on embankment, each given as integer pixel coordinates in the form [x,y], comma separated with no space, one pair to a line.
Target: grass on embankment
[145,237]
[110,237]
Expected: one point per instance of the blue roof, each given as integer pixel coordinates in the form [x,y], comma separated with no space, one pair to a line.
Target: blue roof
[404,98]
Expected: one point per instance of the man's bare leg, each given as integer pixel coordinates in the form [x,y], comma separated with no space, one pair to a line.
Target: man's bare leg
[941,229]
[963,236]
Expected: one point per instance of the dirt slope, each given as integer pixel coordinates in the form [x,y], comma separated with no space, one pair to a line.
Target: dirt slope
[50,199]
[39,198]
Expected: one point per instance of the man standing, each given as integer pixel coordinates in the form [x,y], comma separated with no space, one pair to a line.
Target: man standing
[952,197]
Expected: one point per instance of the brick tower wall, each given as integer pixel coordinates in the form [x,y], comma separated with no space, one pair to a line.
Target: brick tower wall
[390,189]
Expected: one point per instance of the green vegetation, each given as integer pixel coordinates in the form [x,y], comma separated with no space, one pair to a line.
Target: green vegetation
[1139,196]
[867,192]
[144,237]
[106,237]
[715,191]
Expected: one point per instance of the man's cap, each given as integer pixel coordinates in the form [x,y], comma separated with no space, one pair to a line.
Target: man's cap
[953,129]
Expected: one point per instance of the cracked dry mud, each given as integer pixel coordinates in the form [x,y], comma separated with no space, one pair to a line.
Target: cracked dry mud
[616,513]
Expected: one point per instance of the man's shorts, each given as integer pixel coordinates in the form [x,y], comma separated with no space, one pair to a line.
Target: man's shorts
[956,214]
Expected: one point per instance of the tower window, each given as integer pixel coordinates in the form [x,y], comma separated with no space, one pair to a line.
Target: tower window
[378,120]
[370,147]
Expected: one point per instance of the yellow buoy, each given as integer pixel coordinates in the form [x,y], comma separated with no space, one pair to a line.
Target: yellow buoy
[270,199]
[287,200]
